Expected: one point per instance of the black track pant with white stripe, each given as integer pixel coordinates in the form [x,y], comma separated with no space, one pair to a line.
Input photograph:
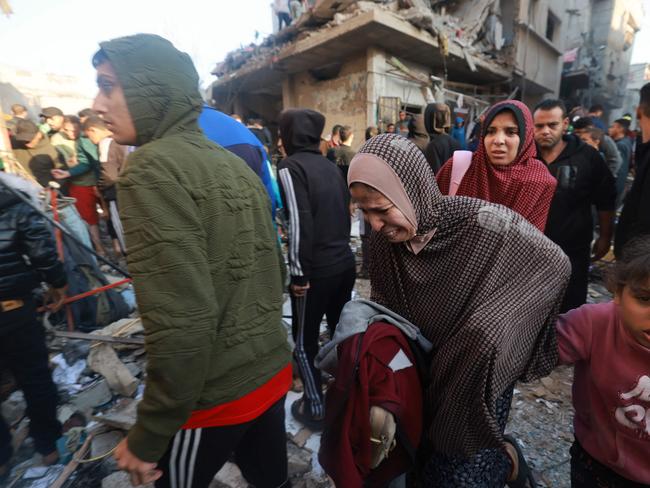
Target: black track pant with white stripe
[194,456]
[326,296]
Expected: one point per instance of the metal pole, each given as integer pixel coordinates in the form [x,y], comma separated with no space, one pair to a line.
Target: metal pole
[59,226]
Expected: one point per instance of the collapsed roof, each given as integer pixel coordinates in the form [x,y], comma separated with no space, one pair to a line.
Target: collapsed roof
[464,36]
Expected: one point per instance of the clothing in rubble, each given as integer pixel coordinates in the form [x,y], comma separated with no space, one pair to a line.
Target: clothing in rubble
[205,264]
[317,200]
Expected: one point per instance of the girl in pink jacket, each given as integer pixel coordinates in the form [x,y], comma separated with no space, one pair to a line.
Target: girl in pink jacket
[609,344]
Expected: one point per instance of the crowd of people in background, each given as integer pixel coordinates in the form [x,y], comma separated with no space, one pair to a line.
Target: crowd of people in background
[474,252]
[77,152]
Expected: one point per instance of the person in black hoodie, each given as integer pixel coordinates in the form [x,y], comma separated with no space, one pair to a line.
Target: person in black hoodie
[635,216]
[583,180]
[321,263]
[27,257]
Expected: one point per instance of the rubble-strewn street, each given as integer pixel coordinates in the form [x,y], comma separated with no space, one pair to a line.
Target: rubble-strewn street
[101,407]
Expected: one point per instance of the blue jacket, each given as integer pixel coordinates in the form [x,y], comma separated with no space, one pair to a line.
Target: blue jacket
[236,138]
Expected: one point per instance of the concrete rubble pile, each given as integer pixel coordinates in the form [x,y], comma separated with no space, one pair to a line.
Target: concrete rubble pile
[100,379]
[475,26]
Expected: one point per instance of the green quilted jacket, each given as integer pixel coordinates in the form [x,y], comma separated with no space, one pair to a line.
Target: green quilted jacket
[202,250]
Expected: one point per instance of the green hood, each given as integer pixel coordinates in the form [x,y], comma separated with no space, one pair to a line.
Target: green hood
[160,83]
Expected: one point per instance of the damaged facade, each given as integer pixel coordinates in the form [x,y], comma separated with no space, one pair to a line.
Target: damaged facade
[360,62]
[600,37]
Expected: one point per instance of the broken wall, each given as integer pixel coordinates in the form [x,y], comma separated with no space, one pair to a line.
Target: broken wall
[386,81]
[540,44]
[342,99]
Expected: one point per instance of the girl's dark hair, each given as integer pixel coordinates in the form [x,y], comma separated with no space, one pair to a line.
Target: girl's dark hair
[633,268]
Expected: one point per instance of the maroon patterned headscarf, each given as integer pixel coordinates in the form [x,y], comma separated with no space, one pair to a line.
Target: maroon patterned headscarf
[525,185]
[484,290]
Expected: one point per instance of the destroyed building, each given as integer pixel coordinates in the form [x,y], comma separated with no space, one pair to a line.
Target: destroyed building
[599,40]
[360,62]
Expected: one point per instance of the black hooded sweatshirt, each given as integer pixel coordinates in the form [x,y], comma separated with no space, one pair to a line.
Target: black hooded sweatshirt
[316,200]
[583,180]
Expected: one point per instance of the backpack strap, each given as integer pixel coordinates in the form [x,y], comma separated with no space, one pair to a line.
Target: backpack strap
[461,162]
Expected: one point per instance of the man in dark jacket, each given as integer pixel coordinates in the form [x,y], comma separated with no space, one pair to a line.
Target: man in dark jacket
[36,154]
[635,216]
[27,258]
[441,147]
[207,274]
[322,266]
[619,133]
[583,180]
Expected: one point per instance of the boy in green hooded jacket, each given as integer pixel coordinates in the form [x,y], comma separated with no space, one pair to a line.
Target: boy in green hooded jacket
[207,275]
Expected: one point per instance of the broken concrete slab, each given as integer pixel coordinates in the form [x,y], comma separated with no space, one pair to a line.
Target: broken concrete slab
[299,460]
[95,395]
[122,416]
[120,480]
[103,443]
[229,477]
[301,437]
[103,360]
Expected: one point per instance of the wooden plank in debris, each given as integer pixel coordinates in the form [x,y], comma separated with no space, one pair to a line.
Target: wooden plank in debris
[74,463]
[136,341]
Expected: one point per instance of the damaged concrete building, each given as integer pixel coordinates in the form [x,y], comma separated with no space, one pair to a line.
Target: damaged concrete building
[360,62]
[598,49]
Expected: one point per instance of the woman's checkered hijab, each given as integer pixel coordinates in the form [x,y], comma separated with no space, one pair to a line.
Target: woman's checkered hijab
[485,291]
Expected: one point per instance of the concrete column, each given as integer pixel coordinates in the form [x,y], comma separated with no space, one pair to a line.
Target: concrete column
[376,60]
[288,95]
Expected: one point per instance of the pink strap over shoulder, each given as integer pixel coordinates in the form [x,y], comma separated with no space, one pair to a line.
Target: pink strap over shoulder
[462,160]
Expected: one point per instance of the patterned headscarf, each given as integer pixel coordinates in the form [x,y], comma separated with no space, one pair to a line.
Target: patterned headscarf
[484,290]
[525,185]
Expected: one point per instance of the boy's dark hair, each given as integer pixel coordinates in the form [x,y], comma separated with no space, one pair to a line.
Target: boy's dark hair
[583,123]
[18,108]
[596,133]
[337,129]
[94,121]
[371,132]
[550,104]
[596,108]
[644,99]
[345,132]
[87,112]
[633,267]
[72,119]
[623,123]
[99,58]
[390,125]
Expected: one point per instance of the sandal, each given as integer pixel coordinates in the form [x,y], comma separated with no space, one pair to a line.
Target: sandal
[524,473]
[298,412]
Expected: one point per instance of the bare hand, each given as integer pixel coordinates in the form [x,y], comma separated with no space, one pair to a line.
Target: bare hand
[141,472]
[600,249]
[299,291]
[55,298]
[60,174]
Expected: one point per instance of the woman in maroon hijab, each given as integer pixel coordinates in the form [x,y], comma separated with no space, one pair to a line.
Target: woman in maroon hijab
[505,168]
